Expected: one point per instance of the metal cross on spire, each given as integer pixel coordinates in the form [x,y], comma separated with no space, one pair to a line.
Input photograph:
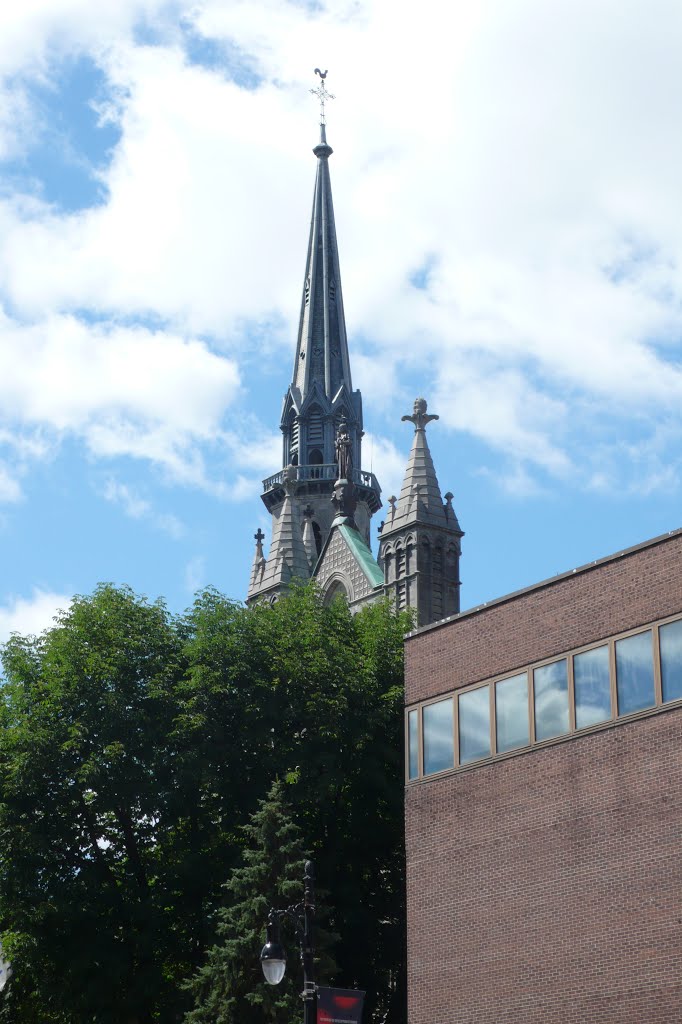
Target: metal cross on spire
[322,94]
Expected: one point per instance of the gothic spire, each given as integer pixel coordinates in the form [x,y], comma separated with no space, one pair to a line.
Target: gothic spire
[287,558]
[420,540]
[420,498]
[322,347]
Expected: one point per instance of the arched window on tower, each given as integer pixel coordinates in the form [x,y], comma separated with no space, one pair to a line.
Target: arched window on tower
[437,582]
[293,438]
[315,426]
[426,583]
[409,556]
[315,458]
[399,562]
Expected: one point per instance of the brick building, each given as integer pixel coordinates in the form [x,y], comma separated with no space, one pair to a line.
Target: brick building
[544,801]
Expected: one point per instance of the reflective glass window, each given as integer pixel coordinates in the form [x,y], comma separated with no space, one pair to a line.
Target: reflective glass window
[670,637]
[474,724]
[412,745]
[551,700]
[511,712]
[437,723]
[592,687]
[634,673]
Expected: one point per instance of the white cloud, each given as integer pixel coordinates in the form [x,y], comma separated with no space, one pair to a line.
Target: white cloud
[171,525]
[31,615]
[526,163]
[121,494]
[122,390]
[195,574]
[10,489]
[137,507]
[254,448]
[382,457]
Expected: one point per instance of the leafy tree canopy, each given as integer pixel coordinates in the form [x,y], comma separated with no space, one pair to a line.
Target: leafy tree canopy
[134,747]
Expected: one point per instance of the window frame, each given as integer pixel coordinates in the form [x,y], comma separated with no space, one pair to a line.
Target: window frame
[534,744]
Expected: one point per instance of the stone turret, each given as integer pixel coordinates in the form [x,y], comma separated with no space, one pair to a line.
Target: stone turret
[420,542]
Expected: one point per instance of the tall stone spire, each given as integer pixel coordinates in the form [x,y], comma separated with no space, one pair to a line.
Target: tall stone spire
[320,396]
[322,346]
[420,498]
[420,541]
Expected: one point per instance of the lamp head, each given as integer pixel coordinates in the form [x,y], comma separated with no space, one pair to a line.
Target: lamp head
[273,958]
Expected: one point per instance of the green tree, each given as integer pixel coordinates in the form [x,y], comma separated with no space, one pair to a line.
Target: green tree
[229,988]
[87,813]
[328,707]
[135,745]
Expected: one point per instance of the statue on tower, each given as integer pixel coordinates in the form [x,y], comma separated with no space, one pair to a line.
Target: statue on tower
[344,452]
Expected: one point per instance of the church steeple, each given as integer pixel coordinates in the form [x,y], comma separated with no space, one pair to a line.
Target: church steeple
[322,347]
[319,398]
[321,391]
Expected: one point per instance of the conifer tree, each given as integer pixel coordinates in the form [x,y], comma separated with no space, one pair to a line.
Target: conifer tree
[230,988]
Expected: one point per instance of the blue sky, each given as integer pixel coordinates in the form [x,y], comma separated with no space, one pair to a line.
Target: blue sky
[506,183]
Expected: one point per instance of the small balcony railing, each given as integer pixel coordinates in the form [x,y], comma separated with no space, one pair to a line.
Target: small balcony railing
[325,471]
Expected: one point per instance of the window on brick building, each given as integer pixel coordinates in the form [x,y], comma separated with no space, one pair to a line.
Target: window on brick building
[551,700]
[439,747]
[584,689]
[671,660]
[635,673]
[592,684]
[413,744]
[474,725]
[511,712]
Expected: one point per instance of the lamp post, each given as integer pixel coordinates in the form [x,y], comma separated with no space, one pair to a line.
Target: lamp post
[273,958]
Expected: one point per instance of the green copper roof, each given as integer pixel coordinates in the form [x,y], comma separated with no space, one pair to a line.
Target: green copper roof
[362,554]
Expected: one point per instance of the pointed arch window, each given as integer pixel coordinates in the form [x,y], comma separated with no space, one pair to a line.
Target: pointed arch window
[315,461]
[399,562]
[293,434]
[315,426]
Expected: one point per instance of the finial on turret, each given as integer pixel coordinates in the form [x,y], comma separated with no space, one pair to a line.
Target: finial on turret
[419,417]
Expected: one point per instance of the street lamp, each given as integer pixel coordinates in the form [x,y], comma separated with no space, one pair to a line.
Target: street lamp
[5,971]
[273,957]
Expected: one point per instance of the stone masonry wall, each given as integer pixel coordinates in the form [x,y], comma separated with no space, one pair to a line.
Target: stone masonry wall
[548,888]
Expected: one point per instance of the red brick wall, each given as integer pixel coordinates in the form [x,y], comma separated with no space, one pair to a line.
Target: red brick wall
[618,594]
[547,887]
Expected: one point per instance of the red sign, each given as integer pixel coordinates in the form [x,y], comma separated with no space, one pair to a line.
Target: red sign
[339,1006]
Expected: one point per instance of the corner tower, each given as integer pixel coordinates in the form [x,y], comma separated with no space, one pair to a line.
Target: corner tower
[420,543]
[319,399]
